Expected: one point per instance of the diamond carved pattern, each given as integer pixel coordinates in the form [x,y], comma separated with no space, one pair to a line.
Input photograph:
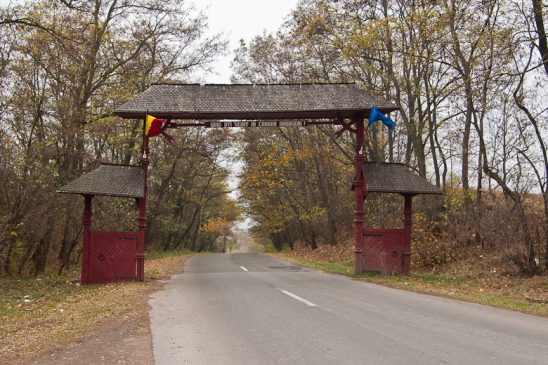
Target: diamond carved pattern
[112,256]
[373,253]
[383,250]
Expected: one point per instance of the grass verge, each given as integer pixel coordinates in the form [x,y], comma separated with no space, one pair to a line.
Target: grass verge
[40,314]
[173,253]
[528,295]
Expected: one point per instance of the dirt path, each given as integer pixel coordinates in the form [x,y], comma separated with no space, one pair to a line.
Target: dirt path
[122,342]
[111,321]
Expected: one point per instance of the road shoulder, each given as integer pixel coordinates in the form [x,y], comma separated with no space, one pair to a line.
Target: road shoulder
[100,324]
[519,294]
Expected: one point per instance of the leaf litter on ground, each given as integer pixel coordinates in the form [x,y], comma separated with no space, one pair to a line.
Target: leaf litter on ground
[39,314]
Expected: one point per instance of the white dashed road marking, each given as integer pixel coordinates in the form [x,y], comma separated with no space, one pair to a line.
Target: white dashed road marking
[296,297]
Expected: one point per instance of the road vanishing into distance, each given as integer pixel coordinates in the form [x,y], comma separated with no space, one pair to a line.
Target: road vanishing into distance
[248,308]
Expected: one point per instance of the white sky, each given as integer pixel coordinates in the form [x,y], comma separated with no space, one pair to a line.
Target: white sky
[237,19]
[241,19]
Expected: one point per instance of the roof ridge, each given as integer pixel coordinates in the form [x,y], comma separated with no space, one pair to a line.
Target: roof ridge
[117,164]
[253,84]
[395,163]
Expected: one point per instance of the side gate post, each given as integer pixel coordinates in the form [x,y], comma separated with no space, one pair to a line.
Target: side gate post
[359,193]
[142,219]
[140,254]
[407,209]
[84,278]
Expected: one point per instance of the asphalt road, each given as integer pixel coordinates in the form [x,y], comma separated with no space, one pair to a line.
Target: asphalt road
[252,309]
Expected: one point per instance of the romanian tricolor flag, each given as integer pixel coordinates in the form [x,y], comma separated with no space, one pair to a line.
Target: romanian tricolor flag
[153,126]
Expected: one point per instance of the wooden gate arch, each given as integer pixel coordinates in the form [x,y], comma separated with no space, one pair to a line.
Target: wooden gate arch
[244,105]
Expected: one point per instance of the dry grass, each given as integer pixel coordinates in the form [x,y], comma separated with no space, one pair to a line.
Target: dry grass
[38,314]
[480,278]
[343,252]
[528,295]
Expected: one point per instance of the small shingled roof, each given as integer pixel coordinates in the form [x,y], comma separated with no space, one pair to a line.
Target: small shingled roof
[253,101]
[109,180]
[396,178]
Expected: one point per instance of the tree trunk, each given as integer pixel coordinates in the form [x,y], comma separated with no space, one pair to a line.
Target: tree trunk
[542,42]
[40,255]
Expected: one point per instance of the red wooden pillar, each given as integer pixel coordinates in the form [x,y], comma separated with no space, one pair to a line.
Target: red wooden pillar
[407,210]
[84,278]
[359,193]
[142,219]
[140,255]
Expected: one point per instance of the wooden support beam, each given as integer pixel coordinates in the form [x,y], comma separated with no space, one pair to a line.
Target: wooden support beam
[142,218]
[360,192]
[407,216]
[87,220]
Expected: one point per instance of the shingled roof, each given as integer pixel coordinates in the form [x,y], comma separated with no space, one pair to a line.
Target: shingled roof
[253,101]
[109,180]
[396,178]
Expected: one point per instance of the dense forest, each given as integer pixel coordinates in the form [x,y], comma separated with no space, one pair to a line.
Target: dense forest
[65,65]
[469,77]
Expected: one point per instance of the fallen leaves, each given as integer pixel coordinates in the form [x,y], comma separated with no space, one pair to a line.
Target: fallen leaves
[57,310]
[493,284]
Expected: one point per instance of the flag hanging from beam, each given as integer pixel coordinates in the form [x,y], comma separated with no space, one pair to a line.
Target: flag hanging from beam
[377,115]
[153,126]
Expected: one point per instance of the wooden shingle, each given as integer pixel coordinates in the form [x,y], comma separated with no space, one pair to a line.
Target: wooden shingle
[109,180]
[396,178]
[253,101]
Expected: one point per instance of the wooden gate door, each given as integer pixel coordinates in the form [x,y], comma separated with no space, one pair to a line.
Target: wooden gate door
[383,250]
[112,256]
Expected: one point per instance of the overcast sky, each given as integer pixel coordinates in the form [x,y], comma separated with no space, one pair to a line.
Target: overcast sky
[241,19]
[237,19]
